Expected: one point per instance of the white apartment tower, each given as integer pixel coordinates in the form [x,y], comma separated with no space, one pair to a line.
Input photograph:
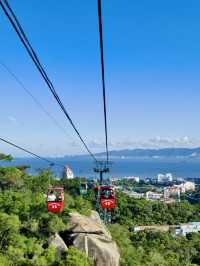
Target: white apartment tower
[68,173]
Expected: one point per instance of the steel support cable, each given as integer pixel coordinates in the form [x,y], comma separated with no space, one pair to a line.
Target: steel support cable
[103,75]
[26,40]
[40,68]
[34,99]
[27,151]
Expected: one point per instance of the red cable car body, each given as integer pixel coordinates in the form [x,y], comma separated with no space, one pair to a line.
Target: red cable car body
[107,198]
[55,199]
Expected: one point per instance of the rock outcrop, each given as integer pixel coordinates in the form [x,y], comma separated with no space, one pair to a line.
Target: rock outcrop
[57,242]
[90,235]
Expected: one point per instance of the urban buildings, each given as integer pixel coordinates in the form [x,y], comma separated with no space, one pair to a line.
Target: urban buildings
[171,192]
[188,186]
[164,178]
[134,178]
[184,229]
[149,195]
[176,190]
[153,195]
[181,229]
[183,187]
[134,194]
[166,189]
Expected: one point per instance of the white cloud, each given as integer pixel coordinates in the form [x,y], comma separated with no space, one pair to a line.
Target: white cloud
[157,142]
[74,148]
[185,141]
[13,120]
[96,144]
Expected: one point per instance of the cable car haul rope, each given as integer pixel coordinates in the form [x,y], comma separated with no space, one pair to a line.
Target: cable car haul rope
[31,153]
[27,45]
[106,199]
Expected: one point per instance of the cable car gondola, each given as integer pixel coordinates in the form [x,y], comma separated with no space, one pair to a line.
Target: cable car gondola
[83,188]
[55,199]
[107,198]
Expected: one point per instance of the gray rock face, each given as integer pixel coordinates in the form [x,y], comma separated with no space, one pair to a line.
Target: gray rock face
[91,236]
[57,242]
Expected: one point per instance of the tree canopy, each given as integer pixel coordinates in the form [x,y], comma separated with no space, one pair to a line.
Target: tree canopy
[25,224]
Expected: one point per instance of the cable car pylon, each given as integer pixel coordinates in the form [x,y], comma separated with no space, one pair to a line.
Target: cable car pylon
[102,167]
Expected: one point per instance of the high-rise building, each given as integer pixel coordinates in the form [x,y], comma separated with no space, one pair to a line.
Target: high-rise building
[68,173]
[162,178]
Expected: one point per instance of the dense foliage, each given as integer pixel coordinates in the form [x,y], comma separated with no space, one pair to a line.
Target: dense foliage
[156,249]
[25,224]
[132,212]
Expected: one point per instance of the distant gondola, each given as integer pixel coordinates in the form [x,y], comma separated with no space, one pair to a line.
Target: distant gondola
[83,188]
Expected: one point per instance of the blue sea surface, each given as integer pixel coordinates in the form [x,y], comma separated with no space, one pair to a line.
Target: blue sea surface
[145,168]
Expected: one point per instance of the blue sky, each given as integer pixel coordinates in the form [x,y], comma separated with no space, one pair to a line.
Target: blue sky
[152,64]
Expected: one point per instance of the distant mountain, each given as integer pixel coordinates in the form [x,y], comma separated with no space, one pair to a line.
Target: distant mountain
[155,153]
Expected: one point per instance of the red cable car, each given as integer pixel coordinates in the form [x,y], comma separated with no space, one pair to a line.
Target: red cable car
[107,198]
[55,199]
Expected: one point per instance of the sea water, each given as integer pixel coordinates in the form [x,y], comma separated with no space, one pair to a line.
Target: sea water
[144,168]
